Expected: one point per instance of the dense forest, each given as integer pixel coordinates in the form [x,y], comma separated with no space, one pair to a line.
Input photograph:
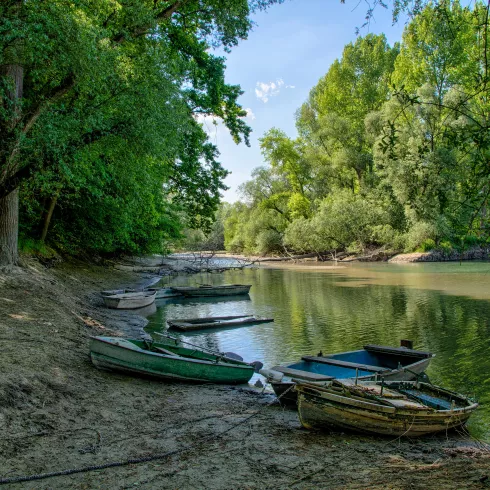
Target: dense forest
[392,149]
[101,150]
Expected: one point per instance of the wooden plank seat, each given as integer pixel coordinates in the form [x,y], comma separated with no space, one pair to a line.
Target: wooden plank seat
[298,373]
[403,351]
[352,365]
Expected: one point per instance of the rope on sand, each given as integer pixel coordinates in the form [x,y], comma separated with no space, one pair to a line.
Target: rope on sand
[145,459]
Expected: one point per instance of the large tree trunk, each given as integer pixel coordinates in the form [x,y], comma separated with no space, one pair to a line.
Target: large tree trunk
[9,228]
[9,205]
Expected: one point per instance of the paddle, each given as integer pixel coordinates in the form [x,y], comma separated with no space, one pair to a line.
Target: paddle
[229,355]
[257,365]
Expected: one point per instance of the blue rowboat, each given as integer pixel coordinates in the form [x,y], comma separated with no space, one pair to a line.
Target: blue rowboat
[369,363]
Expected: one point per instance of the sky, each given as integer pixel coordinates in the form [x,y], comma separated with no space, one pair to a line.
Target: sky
[289,50]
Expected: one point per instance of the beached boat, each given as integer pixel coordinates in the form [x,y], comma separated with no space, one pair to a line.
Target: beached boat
[373,361]
[189,324]
[167,360]
[130,301]
[394,408]
[209,290]
[160,292]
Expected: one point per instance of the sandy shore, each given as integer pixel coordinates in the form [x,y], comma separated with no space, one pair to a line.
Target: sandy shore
[58,412]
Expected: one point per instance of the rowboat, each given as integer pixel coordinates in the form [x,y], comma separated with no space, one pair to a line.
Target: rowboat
[209,290]
[395,408]
[168,360]
[160,292]
[189,324]
[390,363]
[130,301]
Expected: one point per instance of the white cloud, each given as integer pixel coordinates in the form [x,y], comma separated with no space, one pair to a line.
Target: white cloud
[250,115]
[264,91]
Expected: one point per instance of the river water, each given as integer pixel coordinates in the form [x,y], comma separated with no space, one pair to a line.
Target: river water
[443,307]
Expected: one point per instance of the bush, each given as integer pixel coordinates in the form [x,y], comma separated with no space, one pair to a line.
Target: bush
[445,247]
[268,241]
[419,233]
[427,245]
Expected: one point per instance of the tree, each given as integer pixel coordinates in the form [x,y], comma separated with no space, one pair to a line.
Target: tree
[60,59]
[332,120]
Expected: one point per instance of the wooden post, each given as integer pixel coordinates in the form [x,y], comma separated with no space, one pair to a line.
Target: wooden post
[406,343]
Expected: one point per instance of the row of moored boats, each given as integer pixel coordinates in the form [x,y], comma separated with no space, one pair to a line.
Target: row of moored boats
[376,389]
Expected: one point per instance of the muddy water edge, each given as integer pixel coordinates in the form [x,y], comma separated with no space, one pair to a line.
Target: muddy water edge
[58,412]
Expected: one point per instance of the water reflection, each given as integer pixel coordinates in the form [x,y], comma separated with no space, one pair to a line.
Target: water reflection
[314,311]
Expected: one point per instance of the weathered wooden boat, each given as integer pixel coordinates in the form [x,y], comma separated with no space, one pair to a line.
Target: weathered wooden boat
[394,408]
[391,363]
[160,292]
[189,324]
[130,301]
[167,360]
[207,290]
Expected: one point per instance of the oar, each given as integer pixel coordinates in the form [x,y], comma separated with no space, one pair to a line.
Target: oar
[230,355]
[257,365]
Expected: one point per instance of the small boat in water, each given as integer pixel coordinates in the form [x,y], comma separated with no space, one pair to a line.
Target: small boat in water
[130,301]
[189,324]
[373,361]
[207,290]
[160,292]
[167,360]
[394,408]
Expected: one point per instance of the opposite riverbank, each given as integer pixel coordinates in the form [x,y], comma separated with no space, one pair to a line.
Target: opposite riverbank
[58,412]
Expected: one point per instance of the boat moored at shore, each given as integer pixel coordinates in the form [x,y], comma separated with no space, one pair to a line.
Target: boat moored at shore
[130,301]
[167,360]
[371,362]
[396,408]
[207,290]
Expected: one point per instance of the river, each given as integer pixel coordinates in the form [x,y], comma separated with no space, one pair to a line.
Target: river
[443,307]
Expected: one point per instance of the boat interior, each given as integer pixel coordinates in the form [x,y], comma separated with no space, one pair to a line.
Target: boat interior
[365,362]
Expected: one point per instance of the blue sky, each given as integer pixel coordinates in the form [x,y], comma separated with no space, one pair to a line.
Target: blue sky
[291,47]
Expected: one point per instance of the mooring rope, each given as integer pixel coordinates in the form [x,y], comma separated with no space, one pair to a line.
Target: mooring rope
[145,459]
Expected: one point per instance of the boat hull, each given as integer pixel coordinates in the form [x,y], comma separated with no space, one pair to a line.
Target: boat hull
[321,409]
[120,355]
[160,292]
[203,292]
[189,326]
[406,372]
[129,301]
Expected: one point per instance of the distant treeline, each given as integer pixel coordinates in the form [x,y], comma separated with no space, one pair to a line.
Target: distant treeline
[393,148]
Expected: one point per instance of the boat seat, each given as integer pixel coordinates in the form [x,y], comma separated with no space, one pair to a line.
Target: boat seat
[160,350]
[402,351]
[352,365]
[298,373]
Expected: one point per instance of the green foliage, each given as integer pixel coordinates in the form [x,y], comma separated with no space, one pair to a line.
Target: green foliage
[427,245]
[393,145]
[343,221]
[31,246]
[106,129]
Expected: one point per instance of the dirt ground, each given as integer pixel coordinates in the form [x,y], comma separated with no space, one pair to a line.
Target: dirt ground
[58,412]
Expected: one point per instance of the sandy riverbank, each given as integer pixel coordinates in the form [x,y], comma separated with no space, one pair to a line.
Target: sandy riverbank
[58,412]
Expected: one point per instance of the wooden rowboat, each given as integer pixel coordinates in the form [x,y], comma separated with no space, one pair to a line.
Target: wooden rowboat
[167,360]
[395,408]
[189,324]
[373,361]
[130,301]
[160,292]
[208,290]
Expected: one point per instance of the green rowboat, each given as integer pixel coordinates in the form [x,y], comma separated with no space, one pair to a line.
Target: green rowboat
[167,361]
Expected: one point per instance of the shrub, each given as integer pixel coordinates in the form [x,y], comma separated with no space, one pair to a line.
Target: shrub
[427,245]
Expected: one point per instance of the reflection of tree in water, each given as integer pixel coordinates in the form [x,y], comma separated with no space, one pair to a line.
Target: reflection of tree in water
[316,311]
